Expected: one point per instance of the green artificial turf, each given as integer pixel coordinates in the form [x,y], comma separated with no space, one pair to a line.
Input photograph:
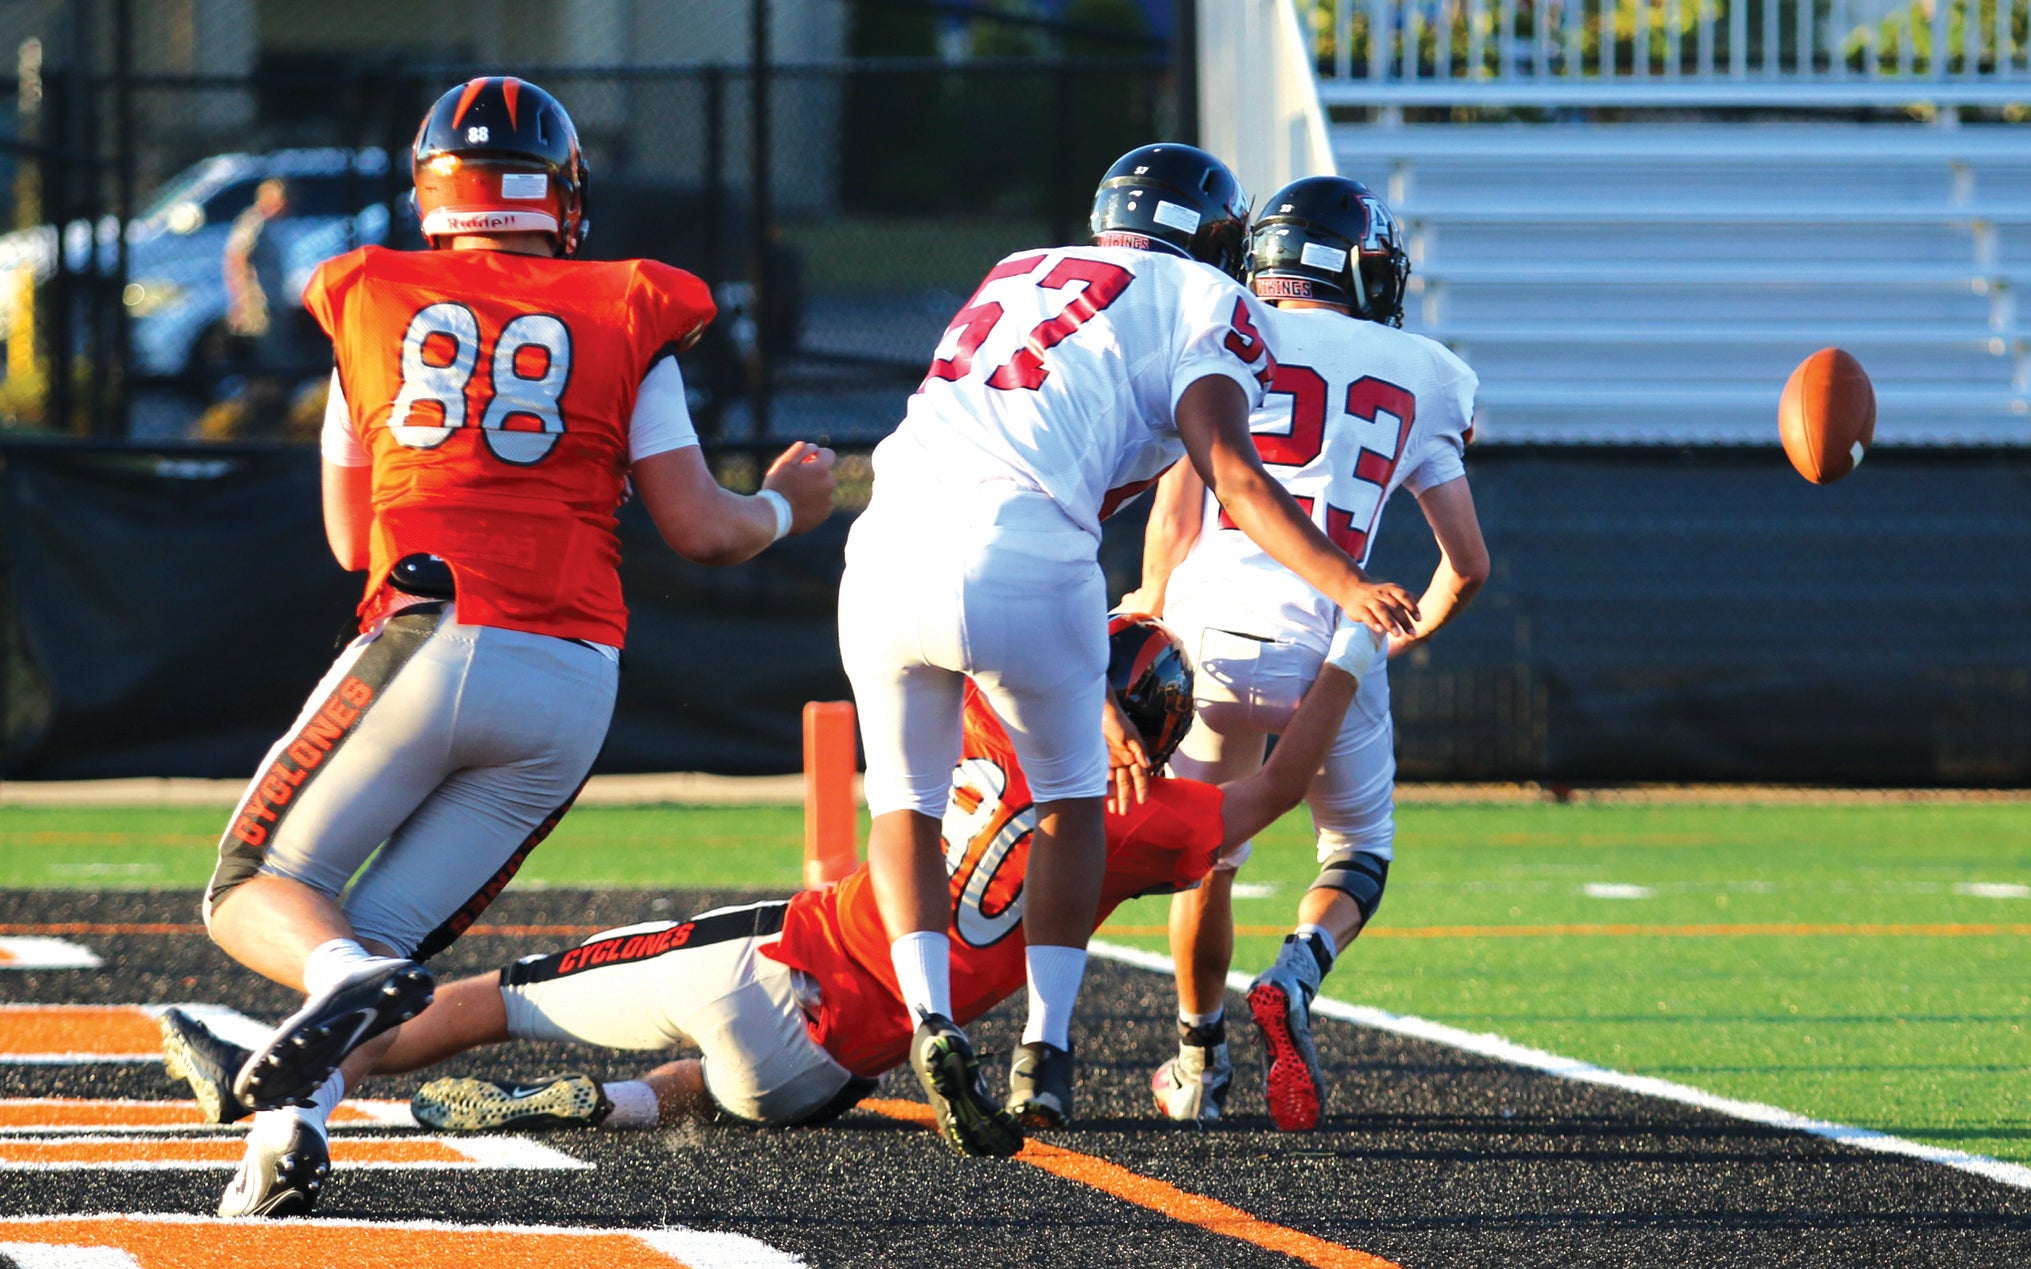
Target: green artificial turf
[1922,1035]
[1916,1032]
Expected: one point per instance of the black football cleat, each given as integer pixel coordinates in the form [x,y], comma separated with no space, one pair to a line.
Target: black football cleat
[1040,1085]
[190,1052]
[310,1043]
[476,1105]
[966,1117]
[279,1180]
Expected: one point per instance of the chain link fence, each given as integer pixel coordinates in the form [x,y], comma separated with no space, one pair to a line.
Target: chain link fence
[841,205]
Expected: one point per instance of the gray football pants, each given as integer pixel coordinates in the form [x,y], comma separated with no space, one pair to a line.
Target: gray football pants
[454,749]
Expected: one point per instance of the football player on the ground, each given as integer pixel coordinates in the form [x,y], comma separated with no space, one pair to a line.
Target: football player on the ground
[1067,384]
[1358,409]
[492,401]
[794,1002]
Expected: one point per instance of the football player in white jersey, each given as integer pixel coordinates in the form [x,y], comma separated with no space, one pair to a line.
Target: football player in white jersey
[1069,382]
[1357,410]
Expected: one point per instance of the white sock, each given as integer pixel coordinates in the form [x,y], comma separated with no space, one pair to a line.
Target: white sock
[1055,974]
[635,1105]
[1320,933]
[1202,1019]
[923,961]
[322,1103]
[272,1127]
[330,964]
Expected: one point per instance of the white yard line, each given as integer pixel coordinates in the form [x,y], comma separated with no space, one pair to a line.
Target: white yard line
[34,951]
[1498,1049]
[478,1154]
[697,1248]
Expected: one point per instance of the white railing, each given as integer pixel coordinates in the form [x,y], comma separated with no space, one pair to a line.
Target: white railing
[1666,52]
[1258,100]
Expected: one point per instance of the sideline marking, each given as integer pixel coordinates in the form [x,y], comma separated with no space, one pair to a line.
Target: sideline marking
[206,1242]
[69,1034]
[1163,1198]
[1494,1046]
[157,1154]
[39,952]
[1938,930]
[1617,890]
[37,1115]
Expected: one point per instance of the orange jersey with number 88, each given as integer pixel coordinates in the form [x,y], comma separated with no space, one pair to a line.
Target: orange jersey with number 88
[492,392]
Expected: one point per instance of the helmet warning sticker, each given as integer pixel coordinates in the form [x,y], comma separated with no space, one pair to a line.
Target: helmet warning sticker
[525,185]
[1178,217]
[1317,255]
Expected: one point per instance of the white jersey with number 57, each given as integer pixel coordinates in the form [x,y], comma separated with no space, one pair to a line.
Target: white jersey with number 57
[1357,410]
[1063,372]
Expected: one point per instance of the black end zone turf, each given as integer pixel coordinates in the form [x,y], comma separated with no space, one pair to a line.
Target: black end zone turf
[1427,1157]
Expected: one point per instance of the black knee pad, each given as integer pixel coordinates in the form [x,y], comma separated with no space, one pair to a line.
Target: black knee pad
[1360,875]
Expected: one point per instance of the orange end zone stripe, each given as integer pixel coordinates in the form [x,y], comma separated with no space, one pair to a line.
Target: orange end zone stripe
[1780,929]
[82,1030]
[206,1243]
[1164,1198]
[34,1114]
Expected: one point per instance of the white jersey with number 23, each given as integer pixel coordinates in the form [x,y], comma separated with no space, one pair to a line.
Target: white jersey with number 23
[1357,410]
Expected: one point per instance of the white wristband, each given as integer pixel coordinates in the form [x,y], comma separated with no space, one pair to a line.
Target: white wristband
[781,506]
[1354,649]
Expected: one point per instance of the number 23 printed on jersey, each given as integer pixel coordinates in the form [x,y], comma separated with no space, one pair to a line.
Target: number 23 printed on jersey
[530,366]
[1374,414]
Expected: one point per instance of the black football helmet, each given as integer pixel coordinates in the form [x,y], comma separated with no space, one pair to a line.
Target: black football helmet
[1328,238]
[498,155]
[1176,198]
[1152,678]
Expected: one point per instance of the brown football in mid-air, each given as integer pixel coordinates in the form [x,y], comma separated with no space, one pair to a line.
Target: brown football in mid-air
[1827,416]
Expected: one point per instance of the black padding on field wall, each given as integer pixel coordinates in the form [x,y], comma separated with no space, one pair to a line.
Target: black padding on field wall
[1653,615]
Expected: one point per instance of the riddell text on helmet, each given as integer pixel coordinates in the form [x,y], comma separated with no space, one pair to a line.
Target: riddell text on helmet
[451,222]
[1284,288]
[333,721]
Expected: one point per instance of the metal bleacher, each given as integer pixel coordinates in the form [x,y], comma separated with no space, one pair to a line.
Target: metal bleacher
[1656,283]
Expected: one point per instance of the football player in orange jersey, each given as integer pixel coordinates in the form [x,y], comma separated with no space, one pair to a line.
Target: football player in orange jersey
[492,401]
[795,1003]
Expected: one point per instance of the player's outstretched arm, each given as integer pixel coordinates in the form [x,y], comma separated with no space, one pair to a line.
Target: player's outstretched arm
[1212,420]
[708,524]
[1463,560]
[1255,801]
[1174,518]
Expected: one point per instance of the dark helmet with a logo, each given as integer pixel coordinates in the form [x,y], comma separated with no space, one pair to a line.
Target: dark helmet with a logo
[1177,198]
[499,155]
[1331,239]
[1152,678]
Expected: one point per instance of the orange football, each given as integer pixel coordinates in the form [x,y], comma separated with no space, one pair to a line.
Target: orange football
[1827,416]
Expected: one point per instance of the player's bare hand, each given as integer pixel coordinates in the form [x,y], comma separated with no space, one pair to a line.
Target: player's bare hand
[1384,607]
[1127,761]
[803,474]
[1145,601]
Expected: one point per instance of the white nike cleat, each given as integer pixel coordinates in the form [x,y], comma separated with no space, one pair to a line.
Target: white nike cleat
[279,1178]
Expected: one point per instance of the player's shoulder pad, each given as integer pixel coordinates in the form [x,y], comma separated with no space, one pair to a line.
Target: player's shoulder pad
[1446,364]
[680,302]
[325,290]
